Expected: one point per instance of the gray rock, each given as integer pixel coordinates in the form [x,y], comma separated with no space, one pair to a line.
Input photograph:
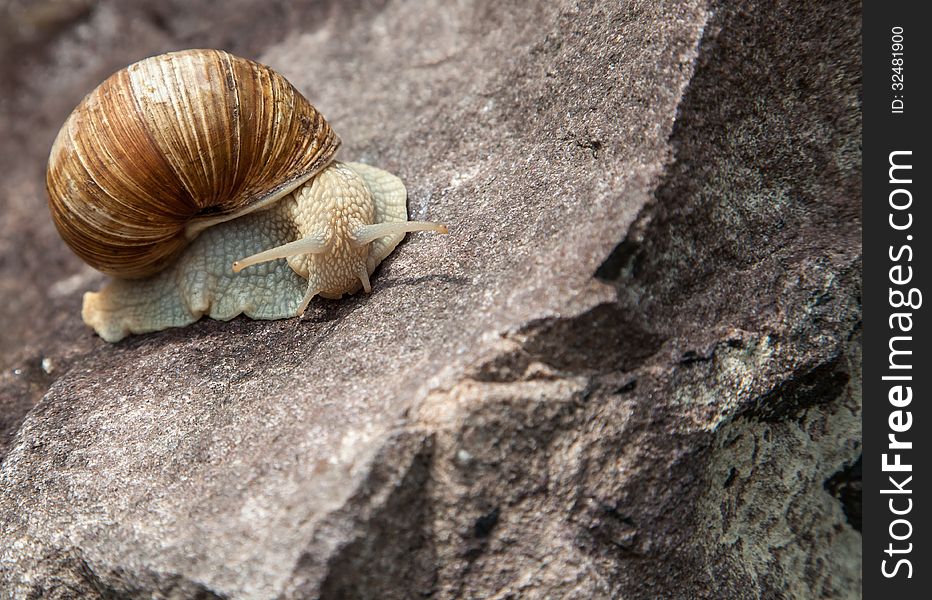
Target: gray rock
[631,371]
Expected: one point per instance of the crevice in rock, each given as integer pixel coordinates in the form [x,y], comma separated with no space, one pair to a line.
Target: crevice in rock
[800,392]
[486,523]
[475,544]
[605,338]
[622,260]
[392,554]
[845,486]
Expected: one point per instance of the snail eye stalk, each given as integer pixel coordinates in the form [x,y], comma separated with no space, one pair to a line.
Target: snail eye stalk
[313,244]
[369,233]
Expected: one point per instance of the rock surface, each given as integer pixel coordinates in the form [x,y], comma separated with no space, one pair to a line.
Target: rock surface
[631,371]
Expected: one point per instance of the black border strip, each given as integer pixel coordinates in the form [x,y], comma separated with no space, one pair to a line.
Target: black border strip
[897,265]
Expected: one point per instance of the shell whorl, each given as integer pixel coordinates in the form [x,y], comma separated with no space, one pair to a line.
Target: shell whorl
[172,140]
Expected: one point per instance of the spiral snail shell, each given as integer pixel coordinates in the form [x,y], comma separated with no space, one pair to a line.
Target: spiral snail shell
[171,143]
[178,143]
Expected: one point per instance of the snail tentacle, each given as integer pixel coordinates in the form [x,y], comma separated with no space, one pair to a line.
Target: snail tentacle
[369,233]
[364,278]
[312,290]
[317,243]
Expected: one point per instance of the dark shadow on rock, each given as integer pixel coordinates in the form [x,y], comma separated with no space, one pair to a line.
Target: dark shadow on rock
[846,487]
[606,338]
[392,555]
[801,392]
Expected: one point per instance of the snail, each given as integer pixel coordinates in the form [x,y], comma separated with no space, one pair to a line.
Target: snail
[187,177]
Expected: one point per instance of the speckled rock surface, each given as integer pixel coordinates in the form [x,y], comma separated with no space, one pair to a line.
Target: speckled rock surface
[631,371]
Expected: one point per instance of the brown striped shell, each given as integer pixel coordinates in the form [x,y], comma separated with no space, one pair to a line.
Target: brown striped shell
[175,143]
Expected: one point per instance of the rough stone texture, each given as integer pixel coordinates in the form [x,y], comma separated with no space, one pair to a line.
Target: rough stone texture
[631,371]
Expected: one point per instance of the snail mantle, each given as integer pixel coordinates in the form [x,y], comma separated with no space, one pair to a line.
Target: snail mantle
[188,176]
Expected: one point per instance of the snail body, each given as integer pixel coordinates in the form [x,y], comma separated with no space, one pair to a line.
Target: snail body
[187,176]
